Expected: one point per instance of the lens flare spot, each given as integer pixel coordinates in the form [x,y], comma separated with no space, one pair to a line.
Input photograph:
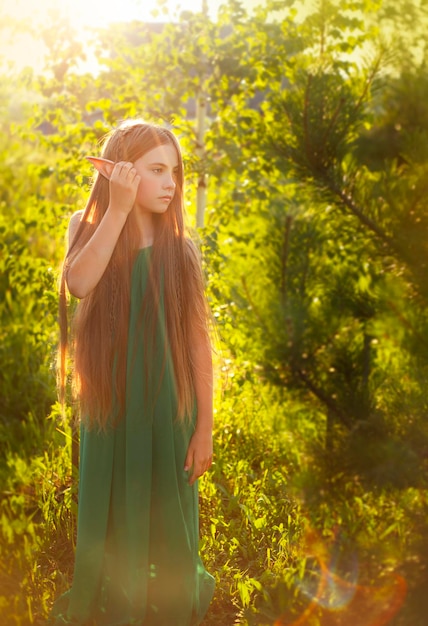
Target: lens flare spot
[337,599]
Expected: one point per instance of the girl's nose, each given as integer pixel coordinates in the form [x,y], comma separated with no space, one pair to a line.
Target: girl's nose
[169,183]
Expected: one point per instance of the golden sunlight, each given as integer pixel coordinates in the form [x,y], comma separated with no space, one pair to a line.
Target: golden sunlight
[101,12]
[96,13]
[21,18]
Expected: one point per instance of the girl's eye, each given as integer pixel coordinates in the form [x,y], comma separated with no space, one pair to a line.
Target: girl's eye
[157,170]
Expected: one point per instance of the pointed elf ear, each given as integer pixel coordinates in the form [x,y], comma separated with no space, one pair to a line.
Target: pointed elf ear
[104,166]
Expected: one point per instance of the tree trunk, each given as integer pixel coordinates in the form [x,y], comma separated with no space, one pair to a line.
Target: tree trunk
[201,194]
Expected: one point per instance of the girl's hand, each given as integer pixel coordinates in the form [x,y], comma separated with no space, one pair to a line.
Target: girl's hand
[199,455]
[124,182]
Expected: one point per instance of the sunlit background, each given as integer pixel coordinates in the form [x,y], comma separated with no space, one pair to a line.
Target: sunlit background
[23,50]
[317,280]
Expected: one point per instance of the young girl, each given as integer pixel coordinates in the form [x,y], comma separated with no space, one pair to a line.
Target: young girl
[143,376]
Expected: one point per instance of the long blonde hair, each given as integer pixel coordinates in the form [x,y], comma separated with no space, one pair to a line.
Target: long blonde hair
[100,324]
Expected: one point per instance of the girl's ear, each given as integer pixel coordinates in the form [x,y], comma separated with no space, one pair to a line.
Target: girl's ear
[104,166]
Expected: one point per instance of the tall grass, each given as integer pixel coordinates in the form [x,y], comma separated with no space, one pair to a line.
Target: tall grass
[269,517]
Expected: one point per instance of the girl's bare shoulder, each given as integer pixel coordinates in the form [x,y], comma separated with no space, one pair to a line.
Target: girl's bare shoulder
[76,217]
[73,225]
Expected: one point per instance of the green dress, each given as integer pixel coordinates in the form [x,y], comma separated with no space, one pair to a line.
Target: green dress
[137,559]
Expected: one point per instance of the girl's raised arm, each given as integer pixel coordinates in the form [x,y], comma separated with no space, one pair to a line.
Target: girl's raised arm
[87,268]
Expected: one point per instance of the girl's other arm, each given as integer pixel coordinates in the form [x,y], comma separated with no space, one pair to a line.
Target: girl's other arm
[87,268]
[200,450]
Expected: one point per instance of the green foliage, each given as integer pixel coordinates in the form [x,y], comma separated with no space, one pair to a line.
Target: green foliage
[37,517]
[315,256]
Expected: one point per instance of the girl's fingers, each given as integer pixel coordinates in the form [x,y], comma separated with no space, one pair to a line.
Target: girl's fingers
[124,183]
[124,167]
[130,173]
[202,469]
[119,166]
[198,458]
[197,474]
[128,168]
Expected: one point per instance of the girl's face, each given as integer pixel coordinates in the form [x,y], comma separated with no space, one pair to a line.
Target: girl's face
[158,170]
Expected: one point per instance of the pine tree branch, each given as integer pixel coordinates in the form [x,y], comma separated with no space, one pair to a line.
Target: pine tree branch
[323,397]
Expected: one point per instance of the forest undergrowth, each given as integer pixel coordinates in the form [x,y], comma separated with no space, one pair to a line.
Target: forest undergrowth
[287,541]
[313,167]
